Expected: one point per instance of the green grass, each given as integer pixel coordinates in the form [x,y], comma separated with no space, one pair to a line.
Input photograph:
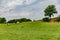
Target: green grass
[30,31]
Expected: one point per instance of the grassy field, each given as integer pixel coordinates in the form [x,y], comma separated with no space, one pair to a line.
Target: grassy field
[30,31]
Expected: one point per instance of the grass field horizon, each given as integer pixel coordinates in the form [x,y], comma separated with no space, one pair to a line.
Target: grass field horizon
[30,31]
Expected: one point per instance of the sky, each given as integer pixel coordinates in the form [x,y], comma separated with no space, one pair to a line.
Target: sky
[32,9]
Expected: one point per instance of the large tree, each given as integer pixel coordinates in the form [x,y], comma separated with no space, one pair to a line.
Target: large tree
[50,11]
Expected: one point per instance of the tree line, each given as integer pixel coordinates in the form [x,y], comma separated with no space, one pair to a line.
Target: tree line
[3,20]
[19,20]
[49,11]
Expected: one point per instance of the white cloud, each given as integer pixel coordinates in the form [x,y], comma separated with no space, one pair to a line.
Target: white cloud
[14,3]
[39,7]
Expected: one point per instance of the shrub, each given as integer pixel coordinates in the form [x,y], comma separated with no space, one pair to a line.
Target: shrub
[58,19]
[46,19]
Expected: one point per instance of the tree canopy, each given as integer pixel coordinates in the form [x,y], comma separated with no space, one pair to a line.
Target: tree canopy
[19,20]
[50,11]
[2,20]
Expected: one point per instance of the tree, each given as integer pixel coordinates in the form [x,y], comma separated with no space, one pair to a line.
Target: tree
[2,20]
[50,11]
[12,21]
[28,20]
[24,20]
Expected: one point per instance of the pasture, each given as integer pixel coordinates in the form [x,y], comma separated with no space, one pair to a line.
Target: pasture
[30,31]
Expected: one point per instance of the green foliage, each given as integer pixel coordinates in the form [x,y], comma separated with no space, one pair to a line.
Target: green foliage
[24,20]
[2,20]
[19,20]
[58,18]
[12,21]
[46,19]
[50,10]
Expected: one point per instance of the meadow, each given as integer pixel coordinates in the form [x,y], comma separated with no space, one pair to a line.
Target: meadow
[30,31]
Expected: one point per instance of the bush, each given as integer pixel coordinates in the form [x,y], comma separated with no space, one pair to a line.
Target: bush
[58,19]
[46,19]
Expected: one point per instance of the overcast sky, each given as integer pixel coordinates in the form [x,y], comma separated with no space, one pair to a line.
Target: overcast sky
[33,9]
